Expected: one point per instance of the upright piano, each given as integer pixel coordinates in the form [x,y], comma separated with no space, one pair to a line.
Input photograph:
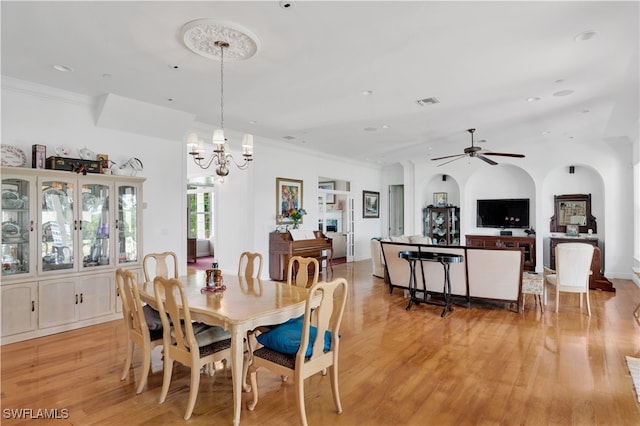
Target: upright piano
[282,247]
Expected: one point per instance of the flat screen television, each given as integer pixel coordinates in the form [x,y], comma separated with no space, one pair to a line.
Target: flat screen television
[503,213]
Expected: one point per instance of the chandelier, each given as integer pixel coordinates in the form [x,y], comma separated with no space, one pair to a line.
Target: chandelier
[209,38]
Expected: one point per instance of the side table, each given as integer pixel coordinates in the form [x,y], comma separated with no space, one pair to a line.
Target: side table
[533,283]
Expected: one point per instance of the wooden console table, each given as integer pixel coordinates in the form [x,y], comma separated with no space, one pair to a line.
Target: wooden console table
[527,244]
[445,259]
[597,281]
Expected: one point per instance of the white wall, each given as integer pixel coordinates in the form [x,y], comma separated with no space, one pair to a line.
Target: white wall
[603,169]
[245,203]
[34,114]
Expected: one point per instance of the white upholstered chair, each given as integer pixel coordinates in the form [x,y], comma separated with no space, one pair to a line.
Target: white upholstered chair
[573,267]
[307,356]
[138,332]
[247,265]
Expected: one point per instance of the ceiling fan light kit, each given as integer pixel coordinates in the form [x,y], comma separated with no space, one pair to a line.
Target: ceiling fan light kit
[474,151]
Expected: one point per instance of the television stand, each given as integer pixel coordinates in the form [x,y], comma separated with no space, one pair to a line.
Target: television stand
[527,244]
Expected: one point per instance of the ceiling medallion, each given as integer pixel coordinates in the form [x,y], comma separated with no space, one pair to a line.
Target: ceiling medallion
[201,35]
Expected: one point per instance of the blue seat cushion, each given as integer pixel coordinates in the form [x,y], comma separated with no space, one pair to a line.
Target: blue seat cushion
[286,338]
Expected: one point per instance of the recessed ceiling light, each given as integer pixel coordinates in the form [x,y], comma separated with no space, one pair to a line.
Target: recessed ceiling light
[170,99]
[560,80]
[62,68]
[428,101]
[174,67]
[482,141]
[252,122]
[370,129]
[289,138]
[367,92]
[586,111]
[546,132]
[563,93]
[586,35]
[107,76]
[533,99]
[286,4]
[386,126]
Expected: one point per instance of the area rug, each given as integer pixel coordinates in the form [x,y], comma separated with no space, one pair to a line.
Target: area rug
[201,263]
[634,369]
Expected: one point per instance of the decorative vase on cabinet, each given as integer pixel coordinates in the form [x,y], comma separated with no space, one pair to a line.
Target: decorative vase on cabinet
[442,225]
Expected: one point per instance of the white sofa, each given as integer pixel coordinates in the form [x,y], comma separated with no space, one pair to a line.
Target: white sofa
[486,274]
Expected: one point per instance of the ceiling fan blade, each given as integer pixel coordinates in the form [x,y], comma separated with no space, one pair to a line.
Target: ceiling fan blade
[504,154]
[451,161]
[486,160]
[448,156]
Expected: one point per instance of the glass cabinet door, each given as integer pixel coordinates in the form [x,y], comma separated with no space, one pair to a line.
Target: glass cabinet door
[95,225]
[17,227]
[127,224]
[58,225]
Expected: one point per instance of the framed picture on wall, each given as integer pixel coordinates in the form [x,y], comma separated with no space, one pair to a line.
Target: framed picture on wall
[440,199]
[331,198]
[370,204]
[288,197]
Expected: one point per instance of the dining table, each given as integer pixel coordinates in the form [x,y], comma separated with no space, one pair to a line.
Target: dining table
[244,304]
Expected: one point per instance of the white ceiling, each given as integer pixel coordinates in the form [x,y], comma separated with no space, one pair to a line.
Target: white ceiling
[482,60]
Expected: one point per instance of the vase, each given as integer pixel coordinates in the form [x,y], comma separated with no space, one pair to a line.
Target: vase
[295,224]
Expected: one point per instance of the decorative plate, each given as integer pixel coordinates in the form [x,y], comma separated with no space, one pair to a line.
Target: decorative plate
[13,156]
[10,230]
[64,151]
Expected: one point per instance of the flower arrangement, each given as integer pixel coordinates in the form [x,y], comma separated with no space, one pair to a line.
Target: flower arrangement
[295,215]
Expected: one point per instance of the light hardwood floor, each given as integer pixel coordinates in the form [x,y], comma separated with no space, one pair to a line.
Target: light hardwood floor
[476,366]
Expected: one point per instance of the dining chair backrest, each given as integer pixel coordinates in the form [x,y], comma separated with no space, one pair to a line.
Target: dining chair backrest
[171,301]
[247,264]
[573,264]
[136,325]
[181,343]
[327,301]
[298,271]
[160,265]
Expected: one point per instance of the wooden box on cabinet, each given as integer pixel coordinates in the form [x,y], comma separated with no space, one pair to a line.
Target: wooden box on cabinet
[527,244]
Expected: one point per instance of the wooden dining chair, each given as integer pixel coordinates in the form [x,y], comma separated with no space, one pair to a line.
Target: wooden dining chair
[292,349]
[573,267]
[138,332]
[182,344]
[160,264]
[247,264]
[298,271]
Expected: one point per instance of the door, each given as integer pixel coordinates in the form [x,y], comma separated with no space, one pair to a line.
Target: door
[396,210]
[18,308]
[96,296]
[58,302]
[350,231]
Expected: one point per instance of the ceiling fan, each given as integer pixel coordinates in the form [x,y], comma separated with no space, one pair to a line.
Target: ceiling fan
[474,151]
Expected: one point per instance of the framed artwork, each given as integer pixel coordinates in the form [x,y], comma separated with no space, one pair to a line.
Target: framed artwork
[440,199]
[572,209]
[288,196]
[573,230]
[370,204]
[331,198]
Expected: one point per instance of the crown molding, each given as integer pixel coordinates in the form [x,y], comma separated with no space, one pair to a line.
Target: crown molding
[45,92]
